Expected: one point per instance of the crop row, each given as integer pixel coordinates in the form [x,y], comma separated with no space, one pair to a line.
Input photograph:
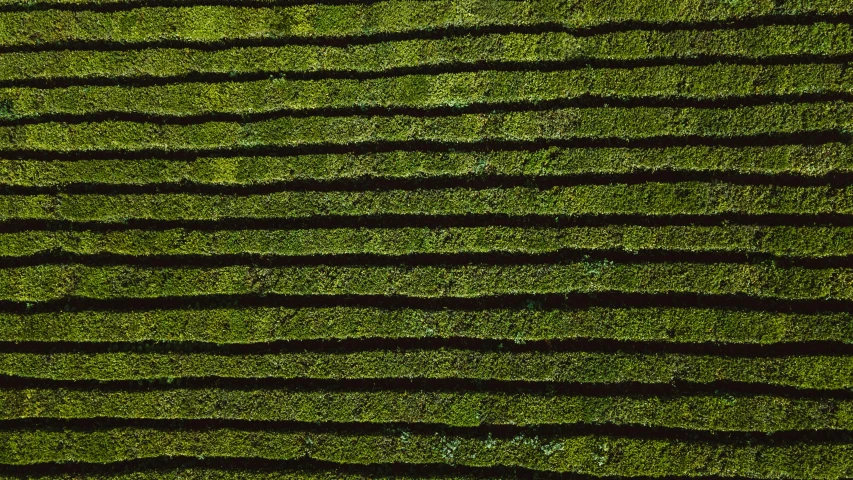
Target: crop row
[283,471]
[455,90]
[804,371]
[52,282]
[720,412]
[803,160]
[582,14]
[588,454]
[220,23]
[531,322]
[480,52]
[801,242]
[651,198]
[318,132]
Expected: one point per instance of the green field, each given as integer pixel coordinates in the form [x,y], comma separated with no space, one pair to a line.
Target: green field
[426,239]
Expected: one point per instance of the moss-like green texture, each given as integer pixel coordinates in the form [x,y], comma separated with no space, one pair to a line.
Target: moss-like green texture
[213,473]
[444,90]
[326,71]
[222,23]
[597,455]
[51,282]
[525,126]
[807,371]
[783,241]
[805,160]
[283,472]
[530,322]
[686,198]
[634,45]
[721,412]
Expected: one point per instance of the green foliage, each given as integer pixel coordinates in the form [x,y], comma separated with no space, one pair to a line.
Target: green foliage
[807,371]
[201,473]
[782,241]
[525,126]
[221,23]
[830,39]
[627,456]
[332,42]
[695,198]
[52,282]
[718,81]
[463,409]
[805,160]
[248,325]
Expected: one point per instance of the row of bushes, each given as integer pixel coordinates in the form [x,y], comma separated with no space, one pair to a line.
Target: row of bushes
[720,412]
[281,472]
[586,454]
[800,242]
[52,282]
[802,160]
[319,132]
[684,198]
[737,45]
[530,322]
[803,371]
[220,23]
[665,83]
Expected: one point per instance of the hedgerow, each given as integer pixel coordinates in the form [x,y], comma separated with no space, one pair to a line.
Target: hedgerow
[454,90]
[804,371]
[587,9]
[720,412]
[223,473]
[529,322]
[319,132]
[281,472]
[219,23]
[588,454]
[652,198]
[52,282]
[782,241]
[801,44]
[803,160]
[183,186]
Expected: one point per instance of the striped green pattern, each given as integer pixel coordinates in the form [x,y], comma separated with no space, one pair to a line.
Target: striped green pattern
[426,239]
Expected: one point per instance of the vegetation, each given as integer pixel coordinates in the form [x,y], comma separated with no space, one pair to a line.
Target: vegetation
[426,239]
[533,50]
[780,241]
[513,127]
[690,198]
[219,23]
[54,282]
[590,454]
[807,371]
[530,322]
[721,412]
[802,160]
[451,90]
